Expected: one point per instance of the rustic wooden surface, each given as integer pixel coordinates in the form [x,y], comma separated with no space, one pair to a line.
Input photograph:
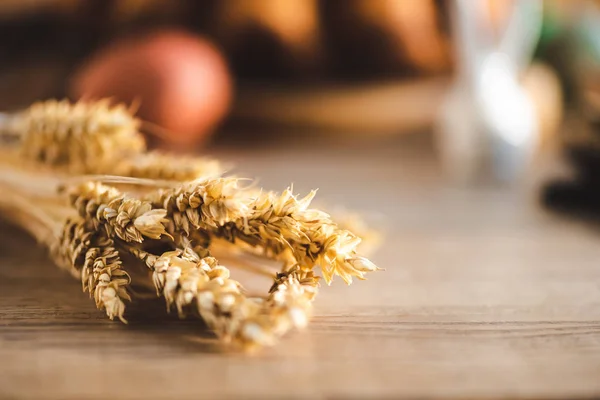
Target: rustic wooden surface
[484,295]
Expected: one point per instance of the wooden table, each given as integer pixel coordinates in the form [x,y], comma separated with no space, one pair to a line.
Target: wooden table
[483,295]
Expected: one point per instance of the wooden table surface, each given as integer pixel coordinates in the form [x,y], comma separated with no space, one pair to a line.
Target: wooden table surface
[484,295]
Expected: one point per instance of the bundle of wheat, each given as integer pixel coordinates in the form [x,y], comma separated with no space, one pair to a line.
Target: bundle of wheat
[78,177]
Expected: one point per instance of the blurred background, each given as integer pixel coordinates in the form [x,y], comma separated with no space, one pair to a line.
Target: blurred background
[487,85]
[424,117]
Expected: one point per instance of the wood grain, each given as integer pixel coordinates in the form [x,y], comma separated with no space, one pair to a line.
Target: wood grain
[484,296]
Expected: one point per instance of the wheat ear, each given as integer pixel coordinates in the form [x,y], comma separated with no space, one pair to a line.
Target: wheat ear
[200,285]
[91,254]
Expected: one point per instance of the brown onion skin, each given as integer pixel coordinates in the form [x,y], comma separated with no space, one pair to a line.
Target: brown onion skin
[181,81]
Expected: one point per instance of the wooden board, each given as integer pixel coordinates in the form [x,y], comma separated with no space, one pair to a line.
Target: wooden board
[484,296]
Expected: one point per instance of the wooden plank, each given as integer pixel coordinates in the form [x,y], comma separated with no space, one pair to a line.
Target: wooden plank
[484,296]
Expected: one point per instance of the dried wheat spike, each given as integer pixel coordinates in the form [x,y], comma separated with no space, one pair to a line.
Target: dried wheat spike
[73,242]
[285,224]
[193,283]
[92,255]
[127,218]
[98,138]
[288,306]
[280,224]
[161,166]
[102,275]
[82,137]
